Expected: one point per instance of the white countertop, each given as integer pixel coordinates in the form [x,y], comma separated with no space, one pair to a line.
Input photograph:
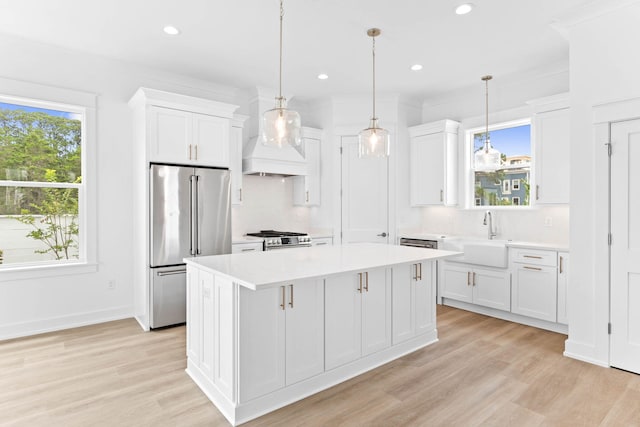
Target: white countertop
[262,269]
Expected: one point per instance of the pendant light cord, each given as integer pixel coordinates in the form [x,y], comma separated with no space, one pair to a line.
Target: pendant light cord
[486,134]
[373,54]
[280,81]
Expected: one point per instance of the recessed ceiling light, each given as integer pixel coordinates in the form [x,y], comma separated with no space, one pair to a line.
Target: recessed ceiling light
[463,9]
[416,67]
[323,76]
[171,30]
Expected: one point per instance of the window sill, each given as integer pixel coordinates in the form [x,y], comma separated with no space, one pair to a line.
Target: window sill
[39,272]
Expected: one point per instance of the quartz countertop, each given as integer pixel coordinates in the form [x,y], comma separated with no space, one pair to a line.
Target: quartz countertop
[265,269]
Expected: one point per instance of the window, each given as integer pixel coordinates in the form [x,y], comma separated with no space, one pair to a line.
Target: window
[509,185]
[42,190]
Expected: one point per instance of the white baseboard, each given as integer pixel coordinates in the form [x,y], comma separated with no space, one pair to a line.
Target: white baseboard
[40,326]
[582,352]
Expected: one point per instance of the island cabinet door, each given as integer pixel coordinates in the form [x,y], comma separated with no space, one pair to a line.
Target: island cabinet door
[194,342]
[455,282]
[342,320]
[402,296]
[376,310]
[304,330]
[425,297]
[261,341]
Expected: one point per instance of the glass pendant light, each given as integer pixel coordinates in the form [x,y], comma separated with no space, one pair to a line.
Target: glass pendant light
[280,125]
[487,158]
[373,141]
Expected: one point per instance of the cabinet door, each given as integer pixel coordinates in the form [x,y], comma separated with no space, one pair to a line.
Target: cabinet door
[208,323]
[552,133]
[304,330]
[376,311]
[534,291]
[492,288]
[402,296]
[342,320]
[456,282]
[240,248]
[170,135]
[211,140]
[235,164]
[563,283]
[424,298]
[306,189]
[224,342]
[427,170]
[262,342]
[193,315]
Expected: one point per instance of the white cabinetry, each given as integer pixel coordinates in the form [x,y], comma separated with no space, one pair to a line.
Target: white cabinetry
[534,283]
[357,316]
[281,336]
[306,189]
[563,287]
[235,158]
[433,160]
[412,294]
[551,136]
[178,136]
[321,241]
[239,248]
[488,287]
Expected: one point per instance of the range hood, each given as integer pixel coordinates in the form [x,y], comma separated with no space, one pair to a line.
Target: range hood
[260,159]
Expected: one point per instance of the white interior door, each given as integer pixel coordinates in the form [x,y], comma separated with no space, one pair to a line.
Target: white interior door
[625,247]
[365,194]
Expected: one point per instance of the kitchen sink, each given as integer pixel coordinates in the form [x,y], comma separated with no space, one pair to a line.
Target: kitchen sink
[490,253]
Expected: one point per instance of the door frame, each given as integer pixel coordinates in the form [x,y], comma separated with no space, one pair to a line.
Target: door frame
[352,131]
[604,116]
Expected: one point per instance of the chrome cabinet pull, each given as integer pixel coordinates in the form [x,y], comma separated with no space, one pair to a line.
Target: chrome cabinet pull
[171,272]
[532,268]
[291,299]
[197,207]
[366,286]
[282,304]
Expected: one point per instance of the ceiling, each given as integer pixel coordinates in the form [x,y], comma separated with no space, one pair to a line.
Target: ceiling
[236,42]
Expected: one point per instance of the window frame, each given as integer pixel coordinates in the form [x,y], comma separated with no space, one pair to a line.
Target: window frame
[469,182]
[83,103]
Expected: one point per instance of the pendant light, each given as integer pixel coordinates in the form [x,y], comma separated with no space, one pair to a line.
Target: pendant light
[280,125]
[373,141]
[487,158]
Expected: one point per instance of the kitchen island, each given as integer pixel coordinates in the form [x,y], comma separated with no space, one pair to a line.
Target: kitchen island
[267,329]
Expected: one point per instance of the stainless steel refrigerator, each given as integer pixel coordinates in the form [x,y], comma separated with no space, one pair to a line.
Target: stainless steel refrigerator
[190,215]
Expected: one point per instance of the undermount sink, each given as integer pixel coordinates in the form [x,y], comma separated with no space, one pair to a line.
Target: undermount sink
[490,253]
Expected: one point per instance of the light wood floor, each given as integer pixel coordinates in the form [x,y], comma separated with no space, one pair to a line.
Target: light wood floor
[484,371]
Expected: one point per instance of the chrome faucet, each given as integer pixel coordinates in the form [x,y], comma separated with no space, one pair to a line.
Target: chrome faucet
[491,233]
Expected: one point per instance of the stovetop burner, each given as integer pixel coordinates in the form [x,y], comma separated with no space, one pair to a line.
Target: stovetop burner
[274,233]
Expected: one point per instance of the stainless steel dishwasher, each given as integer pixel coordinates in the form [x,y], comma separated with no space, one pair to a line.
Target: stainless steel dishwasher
[427,244]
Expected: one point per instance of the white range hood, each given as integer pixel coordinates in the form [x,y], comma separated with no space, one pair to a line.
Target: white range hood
[260,159]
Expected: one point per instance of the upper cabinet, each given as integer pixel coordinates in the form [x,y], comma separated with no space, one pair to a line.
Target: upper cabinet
[235,158]
[551,136]
[306,189]
[433,163]
[183,129]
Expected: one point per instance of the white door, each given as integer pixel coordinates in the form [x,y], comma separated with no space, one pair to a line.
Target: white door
[376,311]
[625,247]
[305,330]
[365,193]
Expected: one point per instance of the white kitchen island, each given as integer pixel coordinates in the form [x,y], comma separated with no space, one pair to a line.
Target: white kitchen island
[267,329]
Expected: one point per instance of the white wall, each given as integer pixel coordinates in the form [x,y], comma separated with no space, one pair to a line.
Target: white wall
[38,304]
[605,66]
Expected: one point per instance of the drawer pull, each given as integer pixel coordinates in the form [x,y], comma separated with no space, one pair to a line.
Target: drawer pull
[360,282]
[468,278]
[291,299]
[474,278]
[533,268]
[282,304]
[248,249]
[366,286]
[561,266]
[532,256]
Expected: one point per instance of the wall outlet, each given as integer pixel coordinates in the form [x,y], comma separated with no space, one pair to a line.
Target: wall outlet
[111,284]
[548,221]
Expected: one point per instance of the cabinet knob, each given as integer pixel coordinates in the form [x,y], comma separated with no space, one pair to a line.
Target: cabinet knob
[383,234]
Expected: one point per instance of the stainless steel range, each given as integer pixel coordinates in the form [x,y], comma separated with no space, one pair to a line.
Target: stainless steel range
[282,239]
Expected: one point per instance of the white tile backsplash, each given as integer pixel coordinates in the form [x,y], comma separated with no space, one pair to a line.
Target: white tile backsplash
[268,205]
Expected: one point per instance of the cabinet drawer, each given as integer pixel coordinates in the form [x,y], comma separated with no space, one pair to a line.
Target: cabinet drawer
[535,257]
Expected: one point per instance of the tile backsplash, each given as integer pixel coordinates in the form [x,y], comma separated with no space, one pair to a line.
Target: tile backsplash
[268,205]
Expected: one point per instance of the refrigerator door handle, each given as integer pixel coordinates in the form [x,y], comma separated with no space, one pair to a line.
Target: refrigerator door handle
[192,246]
[197,216]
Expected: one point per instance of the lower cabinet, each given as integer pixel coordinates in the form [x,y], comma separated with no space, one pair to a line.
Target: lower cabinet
[534,292]
[357,316]
[563,287]
[488,287]
[412,296]
[281,336]
[321,241]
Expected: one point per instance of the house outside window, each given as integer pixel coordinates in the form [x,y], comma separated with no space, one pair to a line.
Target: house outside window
[42,189]
[509,185]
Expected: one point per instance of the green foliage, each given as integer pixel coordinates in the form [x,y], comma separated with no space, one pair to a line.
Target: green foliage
[54,221]
[32,143]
